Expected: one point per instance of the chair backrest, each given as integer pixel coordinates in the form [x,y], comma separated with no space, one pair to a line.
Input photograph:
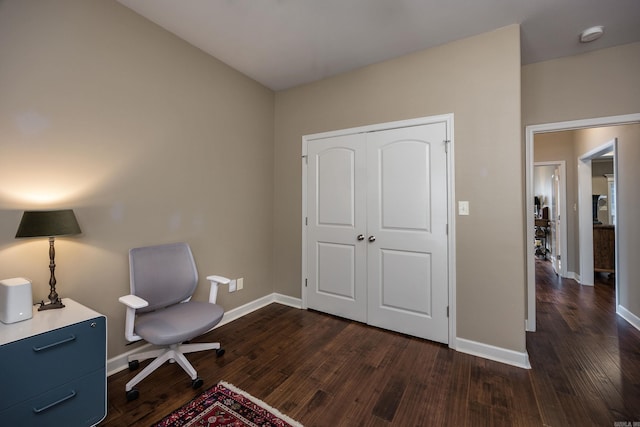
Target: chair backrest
[163,275]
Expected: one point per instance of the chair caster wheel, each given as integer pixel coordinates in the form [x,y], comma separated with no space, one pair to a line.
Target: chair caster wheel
[132,394]
[133,365]
[220,352]
[197,383]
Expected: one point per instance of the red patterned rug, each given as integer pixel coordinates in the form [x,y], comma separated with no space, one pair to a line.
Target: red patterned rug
[226,405]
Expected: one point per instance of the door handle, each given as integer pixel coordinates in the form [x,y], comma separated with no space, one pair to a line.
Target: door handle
[372,238]
[360,237]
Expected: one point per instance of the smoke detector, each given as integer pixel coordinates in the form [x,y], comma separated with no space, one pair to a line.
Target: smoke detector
[591,34]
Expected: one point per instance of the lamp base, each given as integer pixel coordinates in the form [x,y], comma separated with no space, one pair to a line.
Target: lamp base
[50,306]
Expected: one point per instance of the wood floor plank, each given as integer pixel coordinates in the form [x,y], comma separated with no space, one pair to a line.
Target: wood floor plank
[457,406]
[325,371]
[389,399]
[523,409]
[551,410]
[425,396]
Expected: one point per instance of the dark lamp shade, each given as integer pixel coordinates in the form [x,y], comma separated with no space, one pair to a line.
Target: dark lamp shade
[48,223]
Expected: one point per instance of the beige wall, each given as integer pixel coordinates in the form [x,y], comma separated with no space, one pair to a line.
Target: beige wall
[599,169]
[597,84]
[149,140]
[477,79]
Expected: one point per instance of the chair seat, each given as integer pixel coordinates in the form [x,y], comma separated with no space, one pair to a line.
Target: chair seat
[174,324]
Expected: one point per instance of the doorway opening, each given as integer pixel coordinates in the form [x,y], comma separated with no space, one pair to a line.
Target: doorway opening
[550,189]
[530,133]
[589,209]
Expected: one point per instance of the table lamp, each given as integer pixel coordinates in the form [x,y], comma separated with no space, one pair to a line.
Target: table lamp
[49,224]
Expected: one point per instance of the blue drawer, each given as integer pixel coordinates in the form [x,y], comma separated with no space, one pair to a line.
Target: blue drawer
[81,402]
[40,363]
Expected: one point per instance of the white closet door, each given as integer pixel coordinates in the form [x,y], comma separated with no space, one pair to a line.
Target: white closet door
[336,188]
[407,217]
[377,248]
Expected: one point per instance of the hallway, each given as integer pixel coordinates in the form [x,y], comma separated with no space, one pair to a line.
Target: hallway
[586,358]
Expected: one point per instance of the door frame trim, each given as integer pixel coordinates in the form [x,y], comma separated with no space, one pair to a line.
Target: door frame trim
[451,238]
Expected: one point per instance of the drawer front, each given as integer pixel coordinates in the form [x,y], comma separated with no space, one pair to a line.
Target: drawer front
[40,363]
[81,402]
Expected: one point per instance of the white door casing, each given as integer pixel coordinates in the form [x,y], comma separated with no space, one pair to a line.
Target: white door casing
[379,254]
[553,220]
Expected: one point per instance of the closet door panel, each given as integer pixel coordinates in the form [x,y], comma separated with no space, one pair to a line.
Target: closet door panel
[407,218]
[336,259]
[403,181]
[409,294]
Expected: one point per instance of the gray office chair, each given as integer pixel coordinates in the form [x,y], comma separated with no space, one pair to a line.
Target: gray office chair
[160,311]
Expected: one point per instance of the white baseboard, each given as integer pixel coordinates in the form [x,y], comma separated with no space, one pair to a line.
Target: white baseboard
[529,325]
[573,275]
[628,316]
[287,300]
[498,354]
[120,362]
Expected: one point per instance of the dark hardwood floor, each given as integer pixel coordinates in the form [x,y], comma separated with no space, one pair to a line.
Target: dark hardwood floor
[326,371]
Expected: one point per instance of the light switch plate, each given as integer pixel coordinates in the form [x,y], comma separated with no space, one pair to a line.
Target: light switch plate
[463,207]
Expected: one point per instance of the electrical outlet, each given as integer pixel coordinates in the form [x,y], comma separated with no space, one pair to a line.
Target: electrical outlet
[232,286]
[240,283]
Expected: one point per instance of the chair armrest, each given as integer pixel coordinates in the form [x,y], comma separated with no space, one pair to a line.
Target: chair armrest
[215,282]
[219,279]
[133,301]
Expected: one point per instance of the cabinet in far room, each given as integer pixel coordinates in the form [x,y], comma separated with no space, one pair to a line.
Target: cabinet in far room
[604,248]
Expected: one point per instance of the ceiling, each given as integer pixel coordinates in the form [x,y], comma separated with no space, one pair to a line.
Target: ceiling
[285,43]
